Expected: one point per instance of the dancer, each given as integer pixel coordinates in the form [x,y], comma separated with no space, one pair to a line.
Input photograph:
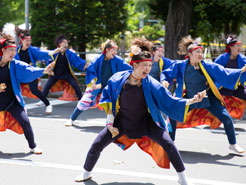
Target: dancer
[194,75]
[12,73]
[133,101]
[233,59]
[97,74]
[64,60]
[29,54]
[160,63]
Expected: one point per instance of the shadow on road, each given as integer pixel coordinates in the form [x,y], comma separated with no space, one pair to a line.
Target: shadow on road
[199,157]
[91,182]
[221,128]
[94,129]
[13,155]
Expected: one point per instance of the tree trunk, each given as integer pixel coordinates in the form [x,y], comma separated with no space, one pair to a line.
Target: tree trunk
[177,26]
[82,45]
[226,28]
[1,26]
[82,48]
[234,27]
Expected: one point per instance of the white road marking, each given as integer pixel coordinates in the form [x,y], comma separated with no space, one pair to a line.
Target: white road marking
[52,102]
[88,122]
[113,172]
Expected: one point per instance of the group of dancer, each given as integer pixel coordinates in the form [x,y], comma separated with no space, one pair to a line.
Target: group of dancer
[135,96]
[63,62]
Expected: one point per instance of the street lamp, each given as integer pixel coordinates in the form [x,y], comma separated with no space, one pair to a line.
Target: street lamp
[27,14]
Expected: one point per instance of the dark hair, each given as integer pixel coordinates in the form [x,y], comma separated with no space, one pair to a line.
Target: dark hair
[5,40]
[108,44]
[146,49]
[156,46]
[59,39]
[187,44]
[22,33]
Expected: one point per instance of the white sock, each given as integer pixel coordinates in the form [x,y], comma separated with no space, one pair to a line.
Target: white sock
[87,173]
[182,176]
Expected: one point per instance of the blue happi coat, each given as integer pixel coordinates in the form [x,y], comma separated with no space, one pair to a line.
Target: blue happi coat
[224,58]
[73,61]
[157,98]
[164,63]
[20,72]
[34,53]
[93,71]
[215,74]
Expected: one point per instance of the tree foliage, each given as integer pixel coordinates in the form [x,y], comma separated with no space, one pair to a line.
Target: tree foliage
[153,32]
[84,22]
[209,19]
[11,11]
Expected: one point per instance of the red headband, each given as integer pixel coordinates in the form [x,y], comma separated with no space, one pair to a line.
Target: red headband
[62,41]
[104,51]
[198,47]
[137,61]
[11,46]
[28,37]
[232,44]
[2,41]
[158,49]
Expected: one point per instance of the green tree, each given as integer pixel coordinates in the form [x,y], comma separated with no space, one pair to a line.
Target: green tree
[176,18]
[154,32]
[137,10]
[200,18]
[140,10]
[11,11]
[212,18]
[85,22]
[46,22]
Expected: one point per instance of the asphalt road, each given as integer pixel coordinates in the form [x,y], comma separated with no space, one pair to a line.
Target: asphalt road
[205,153]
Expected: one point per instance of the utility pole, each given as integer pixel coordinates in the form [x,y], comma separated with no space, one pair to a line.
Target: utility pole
[27,14]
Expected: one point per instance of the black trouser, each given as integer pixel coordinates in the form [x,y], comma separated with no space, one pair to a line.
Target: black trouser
[34,89]
[239,93]
[20,115]
[155,133]
[52,80]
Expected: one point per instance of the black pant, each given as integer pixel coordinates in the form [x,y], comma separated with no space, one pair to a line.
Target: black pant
[20,115]
[239,93]
[34,89]
[155,133]
[52,80]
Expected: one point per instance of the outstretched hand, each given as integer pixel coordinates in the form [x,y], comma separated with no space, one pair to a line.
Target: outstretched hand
[96,86]
[49,69]
[2,87]
[198,97]
[243,68]
[113,130]
[165,83]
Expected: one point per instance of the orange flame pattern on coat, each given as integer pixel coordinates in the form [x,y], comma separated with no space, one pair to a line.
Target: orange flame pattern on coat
[25,90]
[149,146]
[195,117]
[69,92]
[235,106]
[8,122]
